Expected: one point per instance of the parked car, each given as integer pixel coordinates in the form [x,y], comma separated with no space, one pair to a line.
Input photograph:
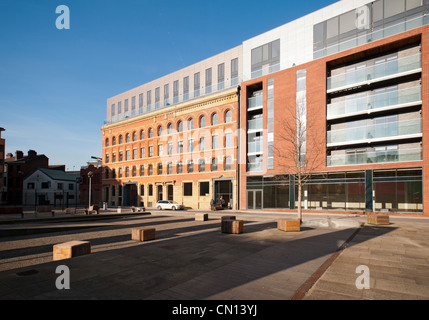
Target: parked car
[168,204]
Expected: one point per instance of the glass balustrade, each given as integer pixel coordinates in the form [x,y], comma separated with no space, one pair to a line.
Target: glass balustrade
[255,124]
[375,157]
[374,72]
[254,147]
[398,28]
[374,101]
[375,131]
[255,102]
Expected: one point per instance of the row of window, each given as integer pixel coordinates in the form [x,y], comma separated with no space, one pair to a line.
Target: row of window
[132,171]
[187,189]
[202,147]
[170,128]
[185,84]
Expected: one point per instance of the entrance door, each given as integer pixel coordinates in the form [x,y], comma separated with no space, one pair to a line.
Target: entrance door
[254,199]
[223,193]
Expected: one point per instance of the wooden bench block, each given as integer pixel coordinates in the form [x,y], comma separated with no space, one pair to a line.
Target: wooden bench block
[201,217]
[71,249]
[289,225]
[232,226]
[143,234]
[377,219]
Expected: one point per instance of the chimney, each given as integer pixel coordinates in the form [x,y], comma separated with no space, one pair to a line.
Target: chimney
[32,153]
[9,156]
[19,155]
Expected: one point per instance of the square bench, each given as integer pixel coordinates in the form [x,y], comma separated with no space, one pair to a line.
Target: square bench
[377,219]
[289,225]
[232,226]
[201,217]
[71,249]
[143,234]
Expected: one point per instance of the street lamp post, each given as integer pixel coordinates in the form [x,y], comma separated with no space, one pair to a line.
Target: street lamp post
[89,190]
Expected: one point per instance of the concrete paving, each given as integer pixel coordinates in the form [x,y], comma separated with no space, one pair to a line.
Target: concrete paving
[193,260]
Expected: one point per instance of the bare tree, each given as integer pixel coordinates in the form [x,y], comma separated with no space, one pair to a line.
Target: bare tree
[300,146]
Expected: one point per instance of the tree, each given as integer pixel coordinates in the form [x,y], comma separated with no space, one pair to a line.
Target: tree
[300,151]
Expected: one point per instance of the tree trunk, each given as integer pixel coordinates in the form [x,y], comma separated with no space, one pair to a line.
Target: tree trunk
[299,199]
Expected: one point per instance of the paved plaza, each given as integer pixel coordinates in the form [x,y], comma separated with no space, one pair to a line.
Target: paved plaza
[193,260]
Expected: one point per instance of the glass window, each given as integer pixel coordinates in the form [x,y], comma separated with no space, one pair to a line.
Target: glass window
[179,126]
[170,128]
[179,167]
[142,135]
[214,142]
[214,119]
[332,28]
[221,72]
[187,189]
[214,164]
[159,168]
[228,140]
[150,170]
[202,165]
[160,148]
[228,163]
[202,143]
[180,147]
[113,141]
[393,7]
[150,133]
[141,100]
[204,188]
[190,124]
[190,145]
[202,121]
[159,131]
[228,116]
[142,170]
[190,166]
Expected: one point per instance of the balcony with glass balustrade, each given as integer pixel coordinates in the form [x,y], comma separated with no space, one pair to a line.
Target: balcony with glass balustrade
[369,103]
[375,73]
[375,132]
[384,156]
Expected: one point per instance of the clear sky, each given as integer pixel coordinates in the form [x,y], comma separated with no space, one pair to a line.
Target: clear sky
[54,83]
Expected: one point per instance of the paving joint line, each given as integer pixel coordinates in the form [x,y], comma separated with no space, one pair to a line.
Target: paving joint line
[302,291]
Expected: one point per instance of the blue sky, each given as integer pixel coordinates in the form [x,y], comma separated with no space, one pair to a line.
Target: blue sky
[54,83]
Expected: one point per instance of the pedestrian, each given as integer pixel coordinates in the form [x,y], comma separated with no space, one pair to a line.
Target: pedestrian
[212,204]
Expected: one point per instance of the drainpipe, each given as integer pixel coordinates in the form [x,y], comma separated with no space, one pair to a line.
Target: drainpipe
[238,147]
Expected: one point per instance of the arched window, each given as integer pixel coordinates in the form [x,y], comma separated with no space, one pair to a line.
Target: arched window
[214,119]
[113,141]
[180,126]
[228,116]
[190,124]
[170,128]
[120,139]
[202,121]
[150,133]
[159,131]
[127,138]
[134,136]
[141,134]
[107,142]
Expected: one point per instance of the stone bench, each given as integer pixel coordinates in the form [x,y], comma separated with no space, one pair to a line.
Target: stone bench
[143,234]
[228,218]
[71,249]
[201,217]
[377,219]
[288,225]
[41,209]
[138,209]
[232,226]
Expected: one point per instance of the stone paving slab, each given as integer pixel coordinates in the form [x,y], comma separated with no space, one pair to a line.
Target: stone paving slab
[193,260]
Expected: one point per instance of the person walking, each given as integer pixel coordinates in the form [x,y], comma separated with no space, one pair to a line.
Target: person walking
[212,204]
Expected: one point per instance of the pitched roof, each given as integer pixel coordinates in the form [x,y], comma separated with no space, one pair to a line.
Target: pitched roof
[58,174]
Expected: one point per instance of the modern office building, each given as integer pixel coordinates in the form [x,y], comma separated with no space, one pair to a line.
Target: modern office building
[353,75]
